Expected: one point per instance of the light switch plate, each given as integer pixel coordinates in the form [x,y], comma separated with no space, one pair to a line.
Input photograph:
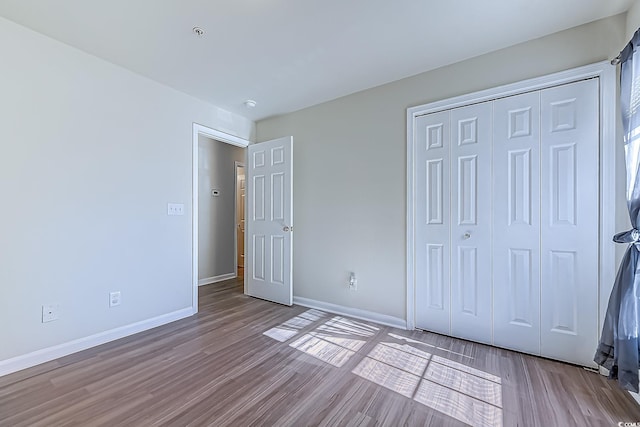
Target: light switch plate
[115,298]
[175,209]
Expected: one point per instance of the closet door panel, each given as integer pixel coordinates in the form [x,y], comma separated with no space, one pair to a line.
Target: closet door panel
[471,222]
[569,221]
[516,222]
[432,222]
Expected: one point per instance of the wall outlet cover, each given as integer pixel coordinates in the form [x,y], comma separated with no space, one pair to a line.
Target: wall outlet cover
[50,312]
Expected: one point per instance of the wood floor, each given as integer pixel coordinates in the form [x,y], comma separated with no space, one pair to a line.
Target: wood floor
[243,362]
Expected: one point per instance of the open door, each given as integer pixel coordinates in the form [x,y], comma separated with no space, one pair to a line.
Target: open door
[269,221]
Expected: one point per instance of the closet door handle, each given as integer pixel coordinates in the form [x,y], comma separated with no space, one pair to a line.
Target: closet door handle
[466,235]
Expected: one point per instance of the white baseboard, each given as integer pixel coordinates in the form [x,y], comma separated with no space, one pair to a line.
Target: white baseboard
[214,279]
[356,313]
[34,358]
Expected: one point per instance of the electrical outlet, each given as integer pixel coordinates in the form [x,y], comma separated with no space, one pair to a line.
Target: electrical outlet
[50,312]
[114,299]
[175,209]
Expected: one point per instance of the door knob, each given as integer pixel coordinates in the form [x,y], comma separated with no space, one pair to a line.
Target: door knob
[466,235]
[285,228]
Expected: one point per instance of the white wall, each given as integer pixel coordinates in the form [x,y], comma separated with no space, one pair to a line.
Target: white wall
[216,215]
[350,165]
[90,154]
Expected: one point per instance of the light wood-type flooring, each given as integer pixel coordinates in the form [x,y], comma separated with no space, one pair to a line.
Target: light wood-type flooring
[246,362]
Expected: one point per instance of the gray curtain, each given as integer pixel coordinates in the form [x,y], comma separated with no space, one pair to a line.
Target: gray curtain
[619,346]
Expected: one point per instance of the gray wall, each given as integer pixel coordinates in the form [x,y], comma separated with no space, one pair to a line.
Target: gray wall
[633,19]
[90,155]
[350,165]
[216,221]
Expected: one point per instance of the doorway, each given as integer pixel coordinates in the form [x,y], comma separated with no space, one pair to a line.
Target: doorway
[217,197]
[217,210]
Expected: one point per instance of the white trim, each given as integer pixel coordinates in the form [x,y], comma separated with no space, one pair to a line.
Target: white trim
[356,313]
[410,285]
[608,114]
[608,142]
[218,136]
[37,357]
[538,83]
[216,279]
[236,165]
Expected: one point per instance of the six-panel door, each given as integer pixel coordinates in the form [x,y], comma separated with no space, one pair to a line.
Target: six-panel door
[270,221]
[506,222]
[433,221]
[516,222]
[471,222]
[569,221]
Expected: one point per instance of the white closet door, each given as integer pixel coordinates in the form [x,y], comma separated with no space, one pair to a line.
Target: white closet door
[516,222]
[432,221]
[471,222]
[569,221]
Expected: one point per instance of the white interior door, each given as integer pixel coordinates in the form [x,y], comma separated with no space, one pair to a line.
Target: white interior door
[471,223]
[569,221]
[516,222]
[269,221]
[432,223]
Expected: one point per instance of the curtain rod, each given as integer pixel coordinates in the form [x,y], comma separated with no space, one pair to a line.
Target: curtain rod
[616,60]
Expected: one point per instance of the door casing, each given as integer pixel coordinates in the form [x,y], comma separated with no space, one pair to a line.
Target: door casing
[237,166]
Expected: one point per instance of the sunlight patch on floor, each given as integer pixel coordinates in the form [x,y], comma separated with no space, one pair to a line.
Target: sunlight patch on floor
[393,368]
[454,389]
[335,354]
[412,341]
[468,369]
[291,327]
[463,407]
[343,326]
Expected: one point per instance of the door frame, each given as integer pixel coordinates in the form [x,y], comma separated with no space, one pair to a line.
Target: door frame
[607,153]
[217,135]
[236,165]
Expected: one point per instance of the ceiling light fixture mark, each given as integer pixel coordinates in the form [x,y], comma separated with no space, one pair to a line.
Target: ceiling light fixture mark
[250,103]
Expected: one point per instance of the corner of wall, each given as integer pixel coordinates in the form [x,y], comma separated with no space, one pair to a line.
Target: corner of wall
[633,19]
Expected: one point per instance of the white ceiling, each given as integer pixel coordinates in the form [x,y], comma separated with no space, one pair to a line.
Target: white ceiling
[290,54]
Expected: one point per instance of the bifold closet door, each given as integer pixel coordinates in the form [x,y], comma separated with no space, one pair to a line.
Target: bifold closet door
[432,221]
[506,222]
[471,222]
[516,222]
[569,221]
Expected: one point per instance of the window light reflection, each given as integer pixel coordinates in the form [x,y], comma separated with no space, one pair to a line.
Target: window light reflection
[457,390]
[460,406]
[335,353]
[402,365]
[291,327]
[388,376]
